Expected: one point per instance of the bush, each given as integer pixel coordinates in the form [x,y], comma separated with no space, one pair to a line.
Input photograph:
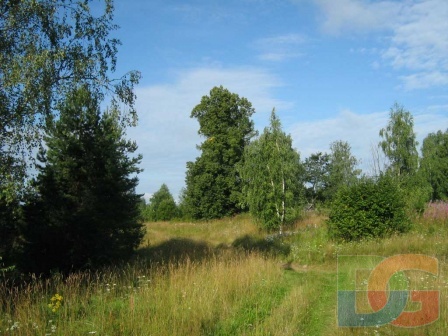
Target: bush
[417,193]
[370,208]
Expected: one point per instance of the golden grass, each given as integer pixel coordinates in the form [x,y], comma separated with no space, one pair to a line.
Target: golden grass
[202,284]
[186,300]
[217,232]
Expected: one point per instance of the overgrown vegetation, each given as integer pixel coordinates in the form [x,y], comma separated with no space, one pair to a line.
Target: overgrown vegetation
[227,289]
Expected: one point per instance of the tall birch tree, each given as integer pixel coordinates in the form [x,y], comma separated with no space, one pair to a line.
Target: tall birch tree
[270,173]
[399,142]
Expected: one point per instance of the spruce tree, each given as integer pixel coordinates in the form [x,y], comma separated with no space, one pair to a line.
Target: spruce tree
[162,206]
[85,211]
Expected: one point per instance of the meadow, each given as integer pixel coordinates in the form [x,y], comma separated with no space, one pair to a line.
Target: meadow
[223,277]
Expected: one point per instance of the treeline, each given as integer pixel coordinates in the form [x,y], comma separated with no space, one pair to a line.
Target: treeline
[239,170]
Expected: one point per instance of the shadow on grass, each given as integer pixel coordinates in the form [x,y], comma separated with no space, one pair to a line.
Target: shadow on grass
[176,250]
[273,246]
[180,249]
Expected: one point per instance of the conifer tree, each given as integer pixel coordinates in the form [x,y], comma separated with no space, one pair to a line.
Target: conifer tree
[162,206]
[85,211]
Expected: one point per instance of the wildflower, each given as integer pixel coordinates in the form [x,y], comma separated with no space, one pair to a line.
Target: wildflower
[16,325]
[55,303]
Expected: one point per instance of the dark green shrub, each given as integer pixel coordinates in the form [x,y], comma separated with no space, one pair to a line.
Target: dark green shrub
[370,208]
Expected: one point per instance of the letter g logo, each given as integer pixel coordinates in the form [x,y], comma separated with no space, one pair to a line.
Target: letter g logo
[388,291]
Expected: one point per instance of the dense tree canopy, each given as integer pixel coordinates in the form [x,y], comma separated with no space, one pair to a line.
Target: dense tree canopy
[213,183]
[270,172]
[85,210]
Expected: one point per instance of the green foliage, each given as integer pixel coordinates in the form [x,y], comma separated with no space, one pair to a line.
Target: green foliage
[316,175]
[270,172]
[434,164]
[341,168]
[366,209]
[85,212]
[416,192]
[213,183]
[162,206]
[48,47]
[399,142]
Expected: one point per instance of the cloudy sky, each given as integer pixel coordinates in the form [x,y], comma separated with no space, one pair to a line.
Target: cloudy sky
[331,68]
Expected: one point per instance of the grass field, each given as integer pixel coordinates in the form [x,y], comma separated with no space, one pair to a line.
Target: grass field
[221,278]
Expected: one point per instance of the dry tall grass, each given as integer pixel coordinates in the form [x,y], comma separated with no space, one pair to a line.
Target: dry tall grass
[218,278]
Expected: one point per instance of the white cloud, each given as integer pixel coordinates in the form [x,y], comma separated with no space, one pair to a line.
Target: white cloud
[357,15]
[420,44]
[167,136]
[424,80]
[417,40]
[281,47]
[361,131]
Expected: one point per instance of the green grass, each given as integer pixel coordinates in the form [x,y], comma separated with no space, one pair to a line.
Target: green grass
[219,278]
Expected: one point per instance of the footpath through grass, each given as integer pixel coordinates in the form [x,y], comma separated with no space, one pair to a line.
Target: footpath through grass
[218,278]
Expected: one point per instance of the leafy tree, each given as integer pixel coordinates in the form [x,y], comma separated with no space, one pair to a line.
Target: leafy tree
[270,171]
[399,142]
[85,212]
[213,183]
[400,147]
[162,206]
[434,164]
[316,176]
[341,168]
[47,48]
[369,208]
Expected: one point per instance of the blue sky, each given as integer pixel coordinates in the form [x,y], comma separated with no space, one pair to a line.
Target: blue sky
[331,68]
